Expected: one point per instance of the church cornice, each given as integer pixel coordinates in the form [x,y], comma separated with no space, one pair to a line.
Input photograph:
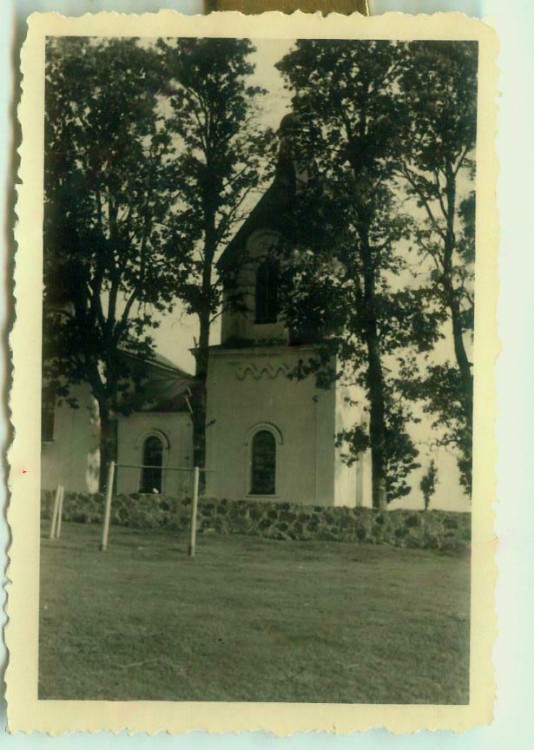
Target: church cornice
[268,369]
[261,350]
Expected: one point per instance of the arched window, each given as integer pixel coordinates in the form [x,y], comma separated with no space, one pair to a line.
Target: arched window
[152,472]
[263,460]
[267,292]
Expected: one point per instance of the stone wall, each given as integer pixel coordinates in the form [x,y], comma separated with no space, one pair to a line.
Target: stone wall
[401,528]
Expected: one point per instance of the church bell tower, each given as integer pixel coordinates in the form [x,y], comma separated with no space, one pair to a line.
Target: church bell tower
[271,436]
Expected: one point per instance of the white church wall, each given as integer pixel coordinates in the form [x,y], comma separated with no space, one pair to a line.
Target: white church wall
[325,450]
[175,432]
[353,483]
[249,389]
[72,457]
[366,480]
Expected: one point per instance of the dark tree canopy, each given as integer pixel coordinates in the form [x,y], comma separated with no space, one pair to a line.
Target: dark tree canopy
[385,135]
[221,159]
[110,261]
[439,91]
[351,229]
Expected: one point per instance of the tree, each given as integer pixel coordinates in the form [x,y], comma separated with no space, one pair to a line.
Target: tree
[220,145]
[351,225]
[438,88]
[428,483]
[109,263]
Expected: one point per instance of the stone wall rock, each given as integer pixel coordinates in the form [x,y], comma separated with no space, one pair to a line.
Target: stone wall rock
[439,530]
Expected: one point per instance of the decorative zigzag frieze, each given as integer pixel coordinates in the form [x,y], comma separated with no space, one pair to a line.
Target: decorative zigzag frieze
[258,371]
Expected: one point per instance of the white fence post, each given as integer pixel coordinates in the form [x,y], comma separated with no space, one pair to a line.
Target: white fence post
[55,512]
[194,510]
[107,508]
[60,512]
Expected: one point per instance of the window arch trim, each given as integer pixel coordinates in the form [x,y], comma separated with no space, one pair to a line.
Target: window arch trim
[139,443]
[270,427]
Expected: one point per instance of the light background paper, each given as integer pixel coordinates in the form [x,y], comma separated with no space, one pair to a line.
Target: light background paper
[514,652]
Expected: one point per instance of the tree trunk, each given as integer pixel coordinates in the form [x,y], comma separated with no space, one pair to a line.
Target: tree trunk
[452,301]
[199,425]
[199,401]
[108,442]
[377,431]
[375,378]
[462,360]
[199,404]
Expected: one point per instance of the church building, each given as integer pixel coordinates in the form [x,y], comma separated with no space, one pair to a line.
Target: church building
[269,435]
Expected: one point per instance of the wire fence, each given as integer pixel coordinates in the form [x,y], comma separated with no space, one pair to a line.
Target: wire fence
[192,472]
[189,487]
[147,479]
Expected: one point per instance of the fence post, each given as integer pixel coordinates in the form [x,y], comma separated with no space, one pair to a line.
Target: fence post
[107,508]
[60,512]
[194,510]
[55,512]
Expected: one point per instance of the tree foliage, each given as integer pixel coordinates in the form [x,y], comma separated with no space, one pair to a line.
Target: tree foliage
[351,228]
[109,257]
[438,89]
[221,152]
[428,483]
[384,135]
[151,152]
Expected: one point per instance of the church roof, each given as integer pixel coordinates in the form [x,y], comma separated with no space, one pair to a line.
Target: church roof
[166,393]
[273,210]
[166,387]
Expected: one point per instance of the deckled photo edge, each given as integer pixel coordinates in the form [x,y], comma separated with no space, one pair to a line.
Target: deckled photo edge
[29,714]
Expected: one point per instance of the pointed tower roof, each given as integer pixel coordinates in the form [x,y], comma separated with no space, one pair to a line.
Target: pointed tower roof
[275,207]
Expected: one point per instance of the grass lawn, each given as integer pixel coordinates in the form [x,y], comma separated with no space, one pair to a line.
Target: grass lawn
[250,620]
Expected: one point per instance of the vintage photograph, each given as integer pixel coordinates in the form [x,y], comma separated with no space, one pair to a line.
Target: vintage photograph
[258,347]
